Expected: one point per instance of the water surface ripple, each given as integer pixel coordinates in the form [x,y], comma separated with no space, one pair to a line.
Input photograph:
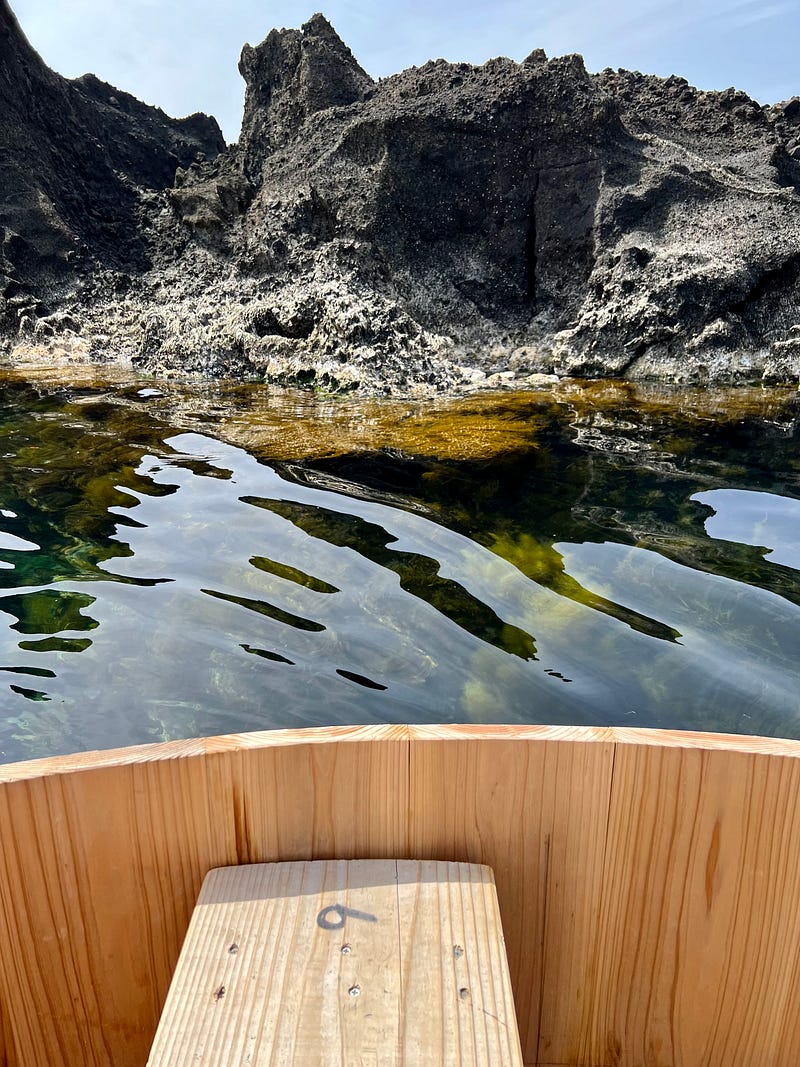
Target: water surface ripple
[190,560]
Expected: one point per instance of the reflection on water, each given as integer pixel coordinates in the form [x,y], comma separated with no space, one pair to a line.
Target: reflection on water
[203,559]
[756,519]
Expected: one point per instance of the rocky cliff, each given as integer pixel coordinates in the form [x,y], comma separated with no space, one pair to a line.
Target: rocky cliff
[446,227]
[79,162]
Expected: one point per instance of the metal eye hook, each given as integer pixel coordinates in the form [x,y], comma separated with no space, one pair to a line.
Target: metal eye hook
[342,913]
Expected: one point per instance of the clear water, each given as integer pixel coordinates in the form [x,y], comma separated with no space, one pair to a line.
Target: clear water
[182,560]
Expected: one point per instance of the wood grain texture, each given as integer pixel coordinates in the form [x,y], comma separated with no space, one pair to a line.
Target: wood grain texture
[700,928]
[261,981]
[458,1006]
[101,866]
[535,812]
[283,996]
[314,801]
[649,881]
[95,873]
[5,1044]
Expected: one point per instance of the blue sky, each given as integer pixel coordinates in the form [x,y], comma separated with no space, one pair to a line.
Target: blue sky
[182,55]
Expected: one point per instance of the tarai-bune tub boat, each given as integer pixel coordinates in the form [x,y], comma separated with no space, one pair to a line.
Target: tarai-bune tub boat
[648,881]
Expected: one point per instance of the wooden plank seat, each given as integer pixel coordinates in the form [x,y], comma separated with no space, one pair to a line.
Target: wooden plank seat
[362,962]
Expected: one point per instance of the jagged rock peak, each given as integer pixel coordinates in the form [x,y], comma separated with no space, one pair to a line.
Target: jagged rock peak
[16,54]
[318,26]
[536,59]
[8,20]
[291,75]
[74,157]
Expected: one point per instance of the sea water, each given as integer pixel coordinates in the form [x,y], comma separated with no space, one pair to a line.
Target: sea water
[184,559]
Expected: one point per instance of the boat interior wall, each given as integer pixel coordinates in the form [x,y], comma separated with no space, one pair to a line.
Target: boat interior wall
[649,882]
[3,1039]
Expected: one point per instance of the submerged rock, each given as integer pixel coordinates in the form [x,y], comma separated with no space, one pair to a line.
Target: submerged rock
[449,227]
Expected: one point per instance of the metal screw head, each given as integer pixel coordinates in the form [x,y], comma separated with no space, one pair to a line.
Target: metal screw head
[346,950]
[354,990]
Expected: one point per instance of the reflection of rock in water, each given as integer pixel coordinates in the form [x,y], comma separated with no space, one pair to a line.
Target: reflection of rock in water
[419,574]
[550,564]
[604,461]
[48,611]
[771,523]
[65,465]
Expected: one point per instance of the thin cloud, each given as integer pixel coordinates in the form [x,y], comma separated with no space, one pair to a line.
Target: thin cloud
[761,13]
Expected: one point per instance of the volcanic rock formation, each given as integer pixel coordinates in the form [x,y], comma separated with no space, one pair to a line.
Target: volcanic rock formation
[447,227]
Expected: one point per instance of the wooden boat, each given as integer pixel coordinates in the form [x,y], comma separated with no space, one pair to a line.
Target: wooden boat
[649,882]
